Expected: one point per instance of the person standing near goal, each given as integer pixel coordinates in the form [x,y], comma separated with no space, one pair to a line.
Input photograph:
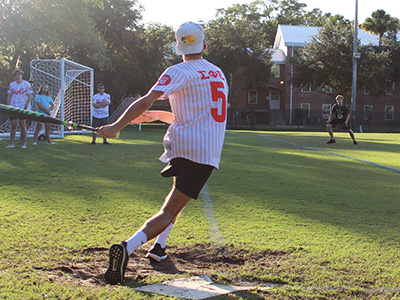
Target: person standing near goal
[19,95]
[100,113]
[45,105]
[197,91]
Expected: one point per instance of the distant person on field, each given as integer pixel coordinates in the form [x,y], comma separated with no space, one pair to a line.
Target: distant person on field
[20,96]
[45,105]
[197,91]
[339,115]
[100,102]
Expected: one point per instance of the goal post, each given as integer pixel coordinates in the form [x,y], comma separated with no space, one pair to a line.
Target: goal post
[71,86]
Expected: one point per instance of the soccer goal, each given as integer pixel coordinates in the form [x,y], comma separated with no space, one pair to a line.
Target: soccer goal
[71,87]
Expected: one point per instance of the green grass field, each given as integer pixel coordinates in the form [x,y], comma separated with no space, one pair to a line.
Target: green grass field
[322,220]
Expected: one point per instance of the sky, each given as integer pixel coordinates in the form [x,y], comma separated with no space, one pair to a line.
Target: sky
[176,12]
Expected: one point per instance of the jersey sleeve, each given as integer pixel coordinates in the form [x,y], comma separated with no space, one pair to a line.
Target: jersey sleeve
[28,88]
[171,81]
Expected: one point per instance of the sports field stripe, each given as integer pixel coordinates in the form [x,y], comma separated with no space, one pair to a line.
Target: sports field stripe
[395,170]
[209,212]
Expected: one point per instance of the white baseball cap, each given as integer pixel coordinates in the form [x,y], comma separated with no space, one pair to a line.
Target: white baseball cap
[189,38]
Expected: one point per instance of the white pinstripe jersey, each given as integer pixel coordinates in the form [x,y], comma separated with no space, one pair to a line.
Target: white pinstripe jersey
[197,91]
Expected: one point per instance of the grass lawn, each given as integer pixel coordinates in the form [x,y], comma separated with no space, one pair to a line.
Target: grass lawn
[318,221]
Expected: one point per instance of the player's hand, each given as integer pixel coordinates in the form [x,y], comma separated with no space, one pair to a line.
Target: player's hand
[108,131]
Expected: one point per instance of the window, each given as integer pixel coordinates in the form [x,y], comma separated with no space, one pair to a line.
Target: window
[389,87]
[306,107]
[368,111]
[306,87]
[252,97]
[326,89]
[326,109]
[275,71]
[389,112]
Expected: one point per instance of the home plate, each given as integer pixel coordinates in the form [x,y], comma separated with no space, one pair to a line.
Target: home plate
[197,287]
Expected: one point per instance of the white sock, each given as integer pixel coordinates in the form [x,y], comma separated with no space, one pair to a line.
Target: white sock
[135,241]
[162,238]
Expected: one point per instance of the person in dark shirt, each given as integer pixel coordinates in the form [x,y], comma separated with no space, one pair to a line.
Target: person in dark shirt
[339,115]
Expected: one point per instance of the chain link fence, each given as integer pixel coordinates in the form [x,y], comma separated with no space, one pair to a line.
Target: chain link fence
[304,120]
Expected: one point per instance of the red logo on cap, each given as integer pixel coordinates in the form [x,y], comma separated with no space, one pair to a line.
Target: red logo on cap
[164,80]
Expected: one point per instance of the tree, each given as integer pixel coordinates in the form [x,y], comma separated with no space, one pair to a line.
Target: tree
[106,35]
[380,23]
[327,61]
[32,29]
[291,12]
[136,52]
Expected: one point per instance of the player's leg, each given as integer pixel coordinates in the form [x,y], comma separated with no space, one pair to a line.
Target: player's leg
[36,134]
[47,129]
[352,136]
[94,136]
[348,129]
[189,178]
[24,132]
[157,252]
[329,128]
[119,253]
[103,122]
[95,123]
[13,131]
[173,205]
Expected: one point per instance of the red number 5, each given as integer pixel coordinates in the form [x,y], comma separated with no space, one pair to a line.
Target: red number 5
[216,95]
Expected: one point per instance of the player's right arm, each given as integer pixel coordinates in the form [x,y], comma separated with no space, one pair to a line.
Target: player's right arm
[155,115]
[330,118]
[42,108]
[9,96]
[137,108]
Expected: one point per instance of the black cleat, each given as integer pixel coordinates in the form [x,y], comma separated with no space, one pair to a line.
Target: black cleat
[157,253]
[355,143]
[117,264]
[331,141]
[106,143]
[93,143]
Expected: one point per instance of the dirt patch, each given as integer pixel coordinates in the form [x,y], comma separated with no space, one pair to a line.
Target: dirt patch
[219,262]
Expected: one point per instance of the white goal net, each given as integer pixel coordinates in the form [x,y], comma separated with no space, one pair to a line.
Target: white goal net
[71,87]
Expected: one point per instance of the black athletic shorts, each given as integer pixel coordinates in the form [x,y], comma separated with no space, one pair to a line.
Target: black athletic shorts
[96,122]
[190,176]
[336,122]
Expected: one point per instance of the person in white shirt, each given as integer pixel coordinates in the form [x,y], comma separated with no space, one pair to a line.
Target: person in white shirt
[19,95]
[100,113]
[197,91]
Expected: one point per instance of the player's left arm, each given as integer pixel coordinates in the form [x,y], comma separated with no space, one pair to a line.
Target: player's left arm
[347,117]
[28,100]
[51,105]
[102,104]
[9,96]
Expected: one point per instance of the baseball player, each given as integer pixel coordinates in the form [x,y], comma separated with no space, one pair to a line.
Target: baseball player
[339,115]
[198,92]
[19,95]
